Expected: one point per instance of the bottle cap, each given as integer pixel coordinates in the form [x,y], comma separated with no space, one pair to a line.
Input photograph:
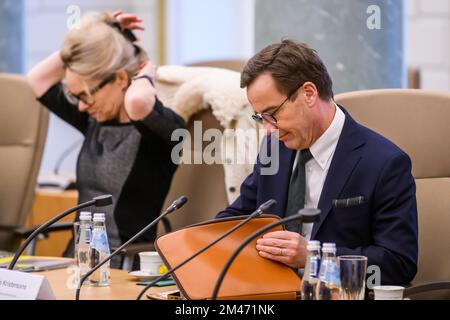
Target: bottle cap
[313,245]
[85,213]
[99,217]
[85,218]
[329,247]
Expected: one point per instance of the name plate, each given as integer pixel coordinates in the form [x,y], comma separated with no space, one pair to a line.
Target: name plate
[16,285]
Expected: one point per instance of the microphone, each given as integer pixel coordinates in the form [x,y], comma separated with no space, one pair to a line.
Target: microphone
[261,209]
[349,202]
[304,215]
[100,201]
[177,204]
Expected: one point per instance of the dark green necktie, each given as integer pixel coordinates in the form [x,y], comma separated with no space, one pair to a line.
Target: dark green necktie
[297,189]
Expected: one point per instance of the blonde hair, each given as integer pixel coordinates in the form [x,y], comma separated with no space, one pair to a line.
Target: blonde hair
[96,49]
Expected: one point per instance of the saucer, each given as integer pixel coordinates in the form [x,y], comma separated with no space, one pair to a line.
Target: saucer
[143,275]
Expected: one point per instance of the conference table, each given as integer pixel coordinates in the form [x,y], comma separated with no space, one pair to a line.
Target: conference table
[122,286]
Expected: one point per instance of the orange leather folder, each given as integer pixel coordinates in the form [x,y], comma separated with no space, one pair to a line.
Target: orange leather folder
[249,277]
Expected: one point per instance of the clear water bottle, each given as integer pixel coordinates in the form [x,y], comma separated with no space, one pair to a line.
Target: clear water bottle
[77,230]
[329,285]
[99,251]
[82,243]
[311,273]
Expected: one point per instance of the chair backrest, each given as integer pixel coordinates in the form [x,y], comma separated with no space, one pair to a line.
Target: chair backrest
[418,122]
[236,65]
[23,128]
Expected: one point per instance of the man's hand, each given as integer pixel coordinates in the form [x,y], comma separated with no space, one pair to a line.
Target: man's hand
[283,246]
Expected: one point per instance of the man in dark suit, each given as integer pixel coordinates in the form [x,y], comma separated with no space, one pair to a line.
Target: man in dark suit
[324,155]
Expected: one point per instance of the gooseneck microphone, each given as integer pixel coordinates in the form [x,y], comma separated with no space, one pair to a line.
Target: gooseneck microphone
[177,204]
[100,201]
[262,209]
[304,215]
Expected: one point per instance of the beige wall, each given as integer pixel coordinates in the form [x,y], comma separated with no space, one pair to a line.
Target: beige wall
[428,41]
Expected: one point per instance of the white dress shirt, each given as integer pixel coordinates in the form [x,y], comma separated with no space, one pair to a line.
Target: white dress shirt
[316,169]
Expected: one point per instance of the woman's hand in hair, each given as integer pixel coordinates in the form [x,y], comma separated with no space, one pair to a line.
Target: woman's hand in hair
[148,68]
[128,21]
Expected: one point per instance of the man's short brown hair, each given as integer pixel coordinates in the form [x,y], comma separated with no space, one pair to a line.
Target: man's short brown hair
[291,64]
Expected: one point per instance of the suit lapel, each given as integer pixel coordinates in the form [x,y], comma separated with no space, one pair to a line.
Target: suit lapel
[345,158]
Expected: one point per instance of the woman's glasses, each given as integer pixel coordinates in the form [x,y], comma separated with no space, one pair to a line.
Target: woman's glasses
[89,97]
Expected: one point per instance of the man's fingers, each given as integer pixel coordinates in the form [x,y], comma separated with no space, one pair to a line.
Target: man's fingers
[273,242]
[272,250]
[276,251]
[282,259]
[286,235]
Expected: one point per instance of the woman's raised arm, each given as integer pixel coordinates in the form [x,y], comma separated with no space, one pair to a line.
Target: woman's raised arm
[46,73]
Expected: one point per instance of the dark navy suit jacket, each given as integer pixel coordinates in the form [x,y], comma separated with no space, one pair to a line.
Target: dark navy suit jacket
[366,164]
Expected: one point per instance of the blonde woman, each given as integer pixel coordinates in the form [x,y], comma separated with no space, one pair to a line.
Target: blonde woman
[100,82]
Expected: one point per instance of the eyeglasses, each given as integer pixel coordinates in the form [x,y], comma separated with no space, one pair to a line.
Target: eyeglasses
[270,116]
[89,98]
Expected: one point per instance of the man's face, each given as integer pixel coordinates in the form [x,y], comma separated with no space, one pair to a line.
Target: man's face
[293,126]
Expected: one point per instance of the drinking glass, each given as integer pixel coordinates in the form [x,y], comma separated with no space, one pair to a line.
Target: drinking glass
[352,271]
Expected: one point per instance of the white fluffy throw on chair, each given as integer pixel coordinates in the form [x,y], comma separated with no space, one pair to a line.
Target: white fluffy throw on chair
[189,90]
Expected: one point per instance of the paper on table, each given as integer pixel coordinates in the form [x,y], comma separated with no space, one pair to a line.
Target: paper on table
[35,263]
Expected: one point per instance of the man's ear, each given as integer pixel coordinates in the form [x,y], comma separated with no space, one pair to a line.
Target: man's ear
[310,92]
